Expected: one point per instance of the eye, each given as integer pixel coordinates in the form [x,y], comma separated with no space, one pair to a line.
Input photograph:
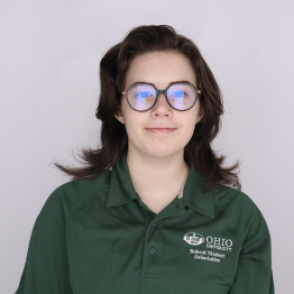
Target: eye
[143,94]
[179,94]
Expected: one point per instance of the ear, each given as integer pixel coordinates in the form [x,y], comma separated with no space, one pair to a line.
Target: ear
[119,117]
[200,114]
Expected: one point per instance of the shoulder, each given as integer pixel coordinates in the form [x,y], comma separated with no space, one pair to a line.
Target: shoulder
[239,208]
[68,197]
[234,201]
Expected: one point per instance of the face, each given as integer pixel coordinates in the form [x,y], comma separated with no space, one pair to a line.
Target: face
[160,69]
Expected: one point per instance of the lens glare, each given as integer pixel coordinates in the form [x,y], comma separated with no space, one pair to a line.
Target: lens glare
[181,96]
[141,96]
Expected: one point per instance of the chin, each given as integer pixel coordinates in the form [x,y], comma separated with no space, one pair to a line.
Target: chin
[162,151]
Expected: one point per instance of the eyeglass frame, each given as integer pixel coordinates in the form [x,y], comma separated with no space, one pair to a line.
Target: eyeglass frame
[165,94]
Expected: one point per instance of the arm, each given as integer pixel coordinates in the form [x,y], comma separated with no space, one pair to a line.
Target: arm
[254,274]
[46,266]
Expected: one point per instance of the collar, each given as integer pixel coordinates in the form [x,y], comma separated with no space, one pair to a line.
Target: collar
[122,191]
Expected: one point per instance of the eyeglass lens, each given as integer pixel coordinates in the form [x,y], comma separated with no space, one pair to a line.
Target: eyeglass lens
[181,96]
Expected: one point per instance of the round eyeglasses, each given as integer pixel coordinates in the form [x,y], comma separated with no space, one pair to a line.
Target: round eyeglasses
[180,96]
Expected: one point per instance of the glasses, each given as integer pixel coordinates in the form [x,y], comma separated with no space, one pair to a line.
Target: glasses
[180,96]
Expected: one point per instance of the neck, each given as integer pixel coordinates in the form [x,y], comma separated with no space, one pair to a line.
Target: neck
[157,178]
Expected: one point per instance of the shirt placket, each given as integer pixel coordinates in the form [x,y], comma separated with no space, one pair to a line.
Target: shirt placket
[152,246]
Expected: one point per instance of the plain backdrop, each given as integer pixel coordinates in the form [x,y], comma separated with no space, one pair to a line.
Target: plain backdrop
[50,54]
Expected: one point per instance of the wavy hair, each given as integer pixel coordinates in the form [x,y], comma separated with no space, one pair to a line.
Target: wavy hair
[113,70]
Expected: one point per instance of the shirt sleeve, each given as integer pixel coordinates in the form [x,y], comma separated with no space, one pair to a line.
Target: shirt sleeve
[46,267]
[254,274]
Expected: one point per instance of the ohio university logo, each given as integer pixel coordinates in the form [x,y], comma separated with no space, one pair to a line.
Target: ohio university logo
[196,239]
[193,238]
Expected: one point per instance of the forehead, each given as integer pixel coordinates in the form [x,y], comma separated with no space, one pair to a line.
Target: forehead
[160,68]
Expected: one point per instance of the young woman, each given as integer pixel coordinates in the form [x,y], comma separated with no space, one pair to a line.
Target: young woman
[154,210]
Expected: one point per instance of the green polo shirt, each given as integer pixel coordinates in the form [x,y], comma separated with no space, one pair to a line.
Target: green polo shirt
[97,236]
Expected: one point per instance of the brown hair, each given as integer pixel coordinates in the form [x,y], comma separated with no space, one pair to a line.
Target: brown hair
[113,69]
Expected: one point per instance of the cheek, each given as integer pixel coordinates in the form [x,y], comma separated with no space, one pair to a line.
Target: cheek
[189,129]
[130,118]
[189,121]
[129,125]
[132,124]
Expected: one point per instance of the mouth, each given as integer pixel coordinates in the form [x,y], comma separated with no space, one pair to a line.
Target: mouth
[161,130]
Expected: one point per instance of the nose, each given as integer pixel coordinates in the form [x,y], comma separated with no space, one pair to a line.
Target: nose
[161,101]
[161,107]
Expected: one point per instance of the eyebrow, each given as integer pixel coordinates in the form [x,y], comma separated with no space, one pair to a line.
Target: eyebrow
[139,82]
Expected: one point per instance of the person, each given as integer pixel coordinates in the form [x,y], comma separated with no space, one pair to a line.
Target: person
[152,210]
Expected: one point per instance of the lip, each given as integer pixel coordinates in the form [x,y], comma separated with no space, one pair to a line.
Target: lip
[161,130]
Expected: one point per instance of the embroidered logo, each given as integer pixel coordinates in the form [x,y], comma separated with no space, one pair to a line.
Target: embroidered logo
[219,243]
[193,238]
[196,239]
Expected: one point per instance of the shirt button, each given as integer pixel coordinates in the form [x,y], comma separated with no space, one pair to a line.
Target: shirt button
[151,250]
[154,224]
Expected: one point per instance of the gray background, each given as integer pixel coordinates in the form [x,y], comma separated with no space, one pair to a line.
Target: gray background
[50,54]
